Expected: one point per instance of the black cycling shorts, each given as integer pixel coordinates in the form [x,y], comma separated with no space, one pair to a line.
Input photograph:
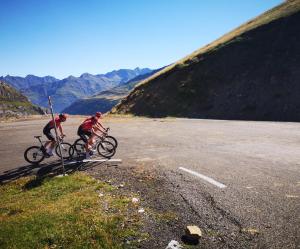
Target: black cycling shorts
[48,134]
[83,134]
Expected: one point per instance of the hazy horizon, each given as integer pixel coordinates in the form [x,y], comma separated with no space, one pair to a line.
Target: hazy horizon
[101,73]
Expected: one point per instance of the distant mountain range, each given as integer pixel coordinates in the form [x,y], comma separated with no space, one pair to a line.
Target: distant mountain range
[13,103]
[28,81]
[251,73]
[64,92]
[105,100]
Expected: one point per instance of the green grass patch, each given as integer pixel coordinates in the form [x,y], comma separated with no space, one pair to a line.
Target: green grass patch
[65,212]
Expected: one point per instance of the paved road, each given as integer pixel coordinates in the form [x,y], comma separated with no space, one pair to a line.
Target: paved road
[258,162]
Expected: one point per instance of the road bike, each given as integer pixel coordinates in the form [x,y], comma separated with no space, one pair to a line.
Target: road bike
[105,145]
[36,154]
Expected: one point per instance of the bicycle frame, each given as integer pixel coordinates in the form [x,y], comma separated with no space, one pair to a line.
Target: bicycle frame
[99,139]
[42,145]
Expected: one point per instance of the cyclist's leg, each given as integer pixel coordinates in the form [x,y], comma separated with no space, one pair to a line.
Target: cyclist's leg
[49,145]
[89,143]
[82,134]
[52,144]
[92,140]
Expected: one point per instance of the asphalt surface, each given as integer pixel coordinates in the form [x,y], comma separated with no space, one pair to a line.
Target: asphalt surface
[258,162]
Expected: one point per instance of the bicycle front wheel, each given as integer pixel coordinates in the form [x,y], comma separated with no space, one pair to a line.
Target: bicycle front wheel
[34,155]
[65,150]
[106,149]
[112,140]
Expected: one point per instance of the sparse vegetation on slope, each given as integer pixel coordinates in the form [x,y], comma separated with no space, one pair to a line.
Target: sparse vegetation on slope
[250,73]
[13,103]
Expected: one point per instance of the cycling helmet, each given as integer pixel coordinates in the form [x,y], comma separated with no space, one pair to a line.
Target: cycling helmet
[63,116]
[98,114]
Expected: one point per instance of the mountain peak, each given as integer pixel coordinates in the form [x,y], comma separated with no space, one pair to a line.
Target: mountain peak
[30,76]
[85,75]
[71,77]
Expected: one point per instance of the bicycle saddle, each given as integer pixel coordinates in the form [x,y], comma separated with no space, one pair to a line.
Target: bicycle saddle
[37,136]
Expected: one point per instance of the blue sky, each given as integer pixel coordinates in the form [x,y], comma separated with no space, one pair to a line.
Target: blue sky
[71,37]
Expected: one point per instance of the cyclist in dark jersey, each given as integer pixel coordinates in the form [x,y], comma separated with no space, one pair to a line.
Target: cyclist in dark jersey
[47,132]
[85,130]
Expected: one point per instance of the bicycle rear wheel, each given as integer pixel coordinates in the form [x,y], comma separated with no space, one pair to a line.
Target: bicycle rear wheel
[34,155]
[106,149]
[79,147]
[65,150]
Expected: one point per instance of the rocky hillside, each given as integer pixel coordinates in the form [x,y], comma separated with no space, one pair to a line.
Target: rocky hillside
[105,100]
[64,92]
[13,103]
[251,73]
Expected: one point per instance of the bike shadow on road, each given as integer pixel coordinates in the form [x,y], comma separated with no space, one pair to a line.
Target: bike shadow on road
[46,170]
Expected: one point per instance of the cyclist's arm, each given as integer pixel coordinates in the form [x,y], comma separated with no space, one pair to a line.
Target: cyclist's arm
[101,126]
[61,131]
[96,128]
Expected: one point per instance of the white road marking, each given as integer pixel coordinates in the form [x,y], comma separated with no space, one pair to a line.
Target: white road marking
[206,178]
[102,160]
[68,163]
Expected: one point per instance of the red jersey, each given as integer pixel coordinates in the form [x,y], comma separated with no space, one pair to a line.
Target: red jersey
[50,125]
[88,124]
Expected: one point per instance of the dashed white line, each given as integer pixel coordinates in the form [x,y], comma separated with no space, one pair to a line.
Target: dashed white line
[206,178]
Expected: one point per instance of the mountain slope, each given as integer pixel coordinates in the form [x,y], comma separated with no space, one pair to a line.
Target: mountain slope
[64,92]
[13,103]
[250,73]
[105,100]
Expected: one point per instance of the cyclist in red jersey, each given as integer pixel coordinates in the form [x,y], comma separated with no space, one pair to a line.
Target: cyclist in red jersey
[47,132]
[86,128]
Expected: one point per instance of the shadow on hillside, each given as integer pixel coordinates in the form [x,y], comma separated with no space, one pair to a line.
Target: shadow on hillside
[45,170]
